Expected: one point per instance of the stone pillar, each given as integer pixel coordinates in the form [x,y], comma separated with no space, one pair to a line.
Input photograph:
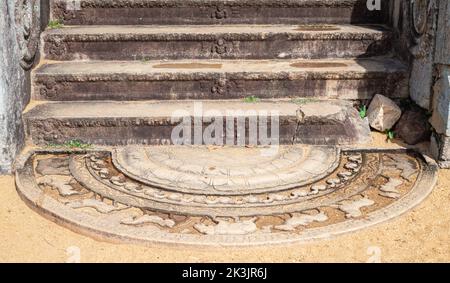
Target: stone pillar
[440,119]
[422,26]
[414,23]
[19,39]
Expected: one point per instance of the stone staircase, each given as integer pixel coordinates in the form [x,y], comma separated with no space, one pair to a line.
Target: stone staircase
[132,72]
[117,71]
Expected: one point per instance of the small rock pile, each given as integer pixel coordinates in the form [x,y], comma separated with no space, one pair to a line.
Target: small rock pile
[384,115]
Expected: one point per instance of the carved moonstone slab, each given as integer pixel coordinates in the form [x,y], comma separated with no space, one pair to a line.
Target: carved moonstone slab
[366,188]
[211,170]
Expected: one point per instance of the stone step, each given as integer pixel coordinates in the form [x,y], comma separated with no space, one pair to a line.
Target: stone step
[215,42]
[220,79]
[145,122]
[178,12]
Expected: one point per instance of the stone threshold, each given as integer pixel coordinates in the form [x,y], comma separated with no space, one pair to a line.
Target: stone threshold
[329,122]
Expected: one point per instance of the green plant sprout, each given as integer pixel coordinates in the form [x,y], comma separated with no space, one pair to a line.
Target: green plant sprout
[363,111]
[72,144]
[390,135]
[54,24]
[302,101]
[251,99]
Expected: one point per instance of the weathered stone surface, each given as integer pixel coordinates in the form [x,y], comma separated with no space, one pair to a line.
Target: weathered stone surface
[149,122]
[19,25]
[302,220]
[165,193]
[53,166]
[352,208]
[390,190]
[422,37]
[185,33]
[145,219]
[61,183]
[413,126]
[421,81]
[442,51]
[98,205]
[205,170]
[152,214]
[183,12]
[220,79]
[383,113]
[214,42]
[415,25]
[332,124]
[440,119]
[227,228]
[323,122]
[440,148]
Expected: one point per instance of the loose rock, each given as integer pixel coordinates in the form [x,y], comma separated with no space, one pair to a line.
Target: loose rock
[383,113]
[413,127]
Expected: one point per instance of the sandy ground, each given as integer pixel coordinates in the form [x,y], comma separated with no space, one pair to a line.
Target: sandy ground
[421,235]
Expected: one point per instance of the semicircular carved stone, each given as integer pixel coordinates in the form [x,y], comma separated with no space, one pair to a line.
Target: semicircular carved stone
[28,26]
[186,169]
[84,191]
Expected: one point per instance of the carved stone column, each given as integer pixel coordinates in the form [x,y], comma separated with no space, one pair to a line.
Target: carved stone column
[422,19]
